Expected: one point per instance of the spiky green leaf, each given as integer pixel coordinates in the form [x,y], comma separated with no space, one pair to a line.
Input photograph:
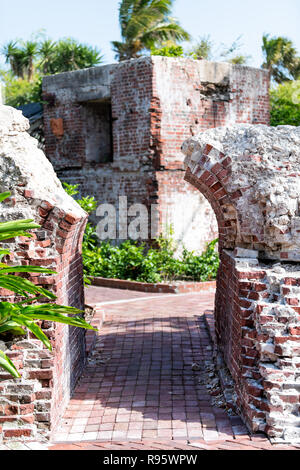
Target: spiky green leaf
[56,313]
[7,365]
[12,327]
[18,225]
[23,287]
[33,327]
[24,269]
[4,196]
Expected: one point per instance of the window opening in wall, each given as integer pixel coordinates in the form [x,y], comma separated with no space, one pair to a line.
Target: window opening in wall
[99,145]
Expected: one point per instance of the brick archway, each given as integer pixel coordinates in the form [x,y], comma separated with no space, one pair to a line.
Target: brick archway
[255,195]
[209,178]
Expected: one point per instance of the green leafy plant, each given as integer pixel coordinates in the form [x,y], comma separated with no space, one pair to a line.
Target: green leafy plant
[281,58]
[168,51]
[30,60]
[87,203]
[204,267]
[17,318]
[48,57]
[19,91]
[135,261]
[285,104]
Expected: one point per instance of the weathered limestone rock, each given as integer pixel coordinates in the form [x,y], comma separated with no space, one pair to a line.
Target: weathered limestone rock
[250,175]
[23,165]
[264,179]
[29,406]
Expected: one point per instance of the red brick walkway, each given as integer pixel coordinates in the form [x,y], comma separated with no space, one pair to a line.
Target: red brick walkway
[255,443]
[139,388]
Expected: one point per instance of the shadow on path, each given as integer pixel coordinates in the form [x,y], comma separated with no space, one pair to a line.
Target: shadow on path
[139,382]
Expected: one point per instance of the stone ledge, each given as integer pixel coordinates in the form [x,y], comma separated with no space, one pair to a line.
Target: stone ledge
[160,288]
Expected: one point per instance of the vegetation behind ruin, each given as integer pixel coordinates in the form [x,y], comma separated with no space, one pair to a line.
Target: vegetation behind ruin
[148,28]
[134,261]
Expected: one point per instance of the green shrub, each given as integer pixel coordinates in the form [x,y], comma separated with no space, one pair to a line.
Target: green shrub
[87,203]
[19,91]
[168,51]
[204,267]
[134,261]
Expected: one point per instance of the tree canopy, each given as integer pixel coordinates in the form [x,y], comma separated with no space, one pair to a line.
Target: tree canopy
[280,58]
[49,57]
[205,49]
[30,60]
[146,24]
[285,104]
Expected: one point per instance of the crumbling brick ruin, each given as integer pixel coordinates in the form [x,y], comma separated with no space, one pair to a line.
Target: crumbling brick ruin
[250,176]
[31,406]
[117,130]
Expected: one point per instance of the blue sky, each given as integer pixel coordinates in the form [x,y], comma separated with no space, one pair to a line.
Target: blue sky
[96,21]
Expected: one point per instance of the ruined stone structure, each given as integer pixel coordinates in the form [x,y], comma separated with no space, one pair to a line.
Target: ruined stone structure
[117,130]
[250,176]
[31,406]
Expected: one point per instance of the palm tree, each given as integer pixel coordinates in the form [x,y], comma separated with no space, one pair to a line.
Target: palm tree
[146,24]
[21,58]
[70,55]
[9,51]
[14,55]
[281,58]
[46,53]
[30,51]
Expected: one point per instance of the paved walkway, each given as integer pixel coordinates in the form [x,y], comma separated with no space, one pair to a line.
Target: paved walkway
[139,389]
[95,295]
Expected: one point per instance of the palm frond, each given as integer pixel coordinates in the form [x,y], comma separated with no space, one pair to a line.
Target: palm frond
[125,12]
[164,32]
[22,320]
[57,313]
[18,225]
[12,327]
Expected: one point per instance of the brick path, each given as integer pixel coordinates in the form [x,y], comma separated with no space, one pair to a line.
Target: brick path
[257,443]
[94,295]
[139,389]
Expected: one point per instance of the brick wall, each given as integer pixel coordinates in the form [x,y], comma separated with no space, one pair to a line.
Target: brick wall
[156,104]
[260,321]
[186,209]
[31,406]
[190,97]
[258,296]
[193,96]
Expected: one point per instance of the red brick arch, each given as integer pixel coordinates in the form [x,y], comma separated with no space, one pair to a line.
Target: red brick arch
[209,178]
